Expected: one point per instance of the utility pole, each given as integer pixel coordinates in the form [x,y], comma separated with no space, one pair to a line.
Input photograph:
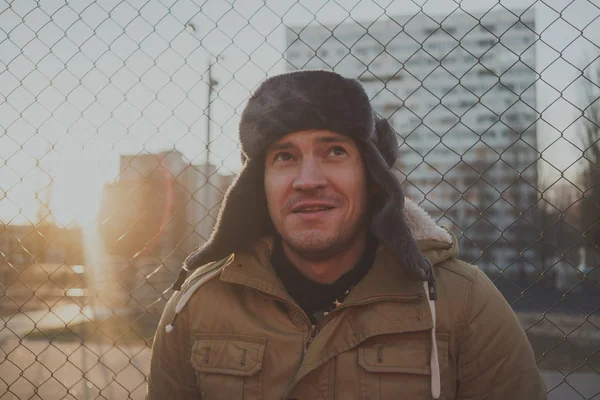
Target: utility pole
[44,211]
[211,84]
[207,168]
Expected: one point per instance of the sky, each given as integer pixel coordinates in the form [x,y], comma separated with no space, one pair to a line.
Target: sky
[83,82]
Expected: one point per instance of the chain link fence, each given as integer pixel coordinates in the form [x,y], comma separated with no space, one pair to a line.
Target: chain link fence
[118,130]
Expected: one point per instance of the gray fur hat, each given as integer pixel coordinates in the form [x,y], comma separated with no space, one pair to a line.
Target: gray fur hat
[298,101]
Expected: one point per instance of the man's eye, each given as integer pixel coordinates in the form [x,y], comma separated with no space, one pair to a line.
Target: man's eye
[337,151]
[282,157]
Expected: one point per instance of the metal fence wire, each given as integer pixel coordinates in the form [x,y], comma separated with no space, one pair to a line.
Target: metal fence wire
[118,139]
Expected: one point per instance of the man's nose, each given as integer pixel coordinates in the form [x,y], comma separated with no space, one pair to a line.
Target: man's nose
[310,176]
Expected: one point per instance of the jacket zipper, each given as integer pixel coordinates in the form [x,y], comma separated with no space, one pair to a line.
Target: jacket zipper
[396,299]
[315,328]
[311,336]
[312,328]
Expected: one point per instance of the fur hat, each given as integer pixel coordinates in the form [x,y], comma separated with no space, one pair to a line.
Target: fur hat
[298,101]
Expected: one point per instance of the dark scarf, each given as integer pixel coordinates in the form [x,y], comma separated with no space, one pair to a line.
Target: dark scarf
[312,296]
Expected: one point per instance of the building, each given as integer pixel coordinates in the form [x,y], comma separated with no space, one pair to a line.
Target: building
[39,264]
[24,245]
[461,96]
[206,188]
[159,210]
[143,214]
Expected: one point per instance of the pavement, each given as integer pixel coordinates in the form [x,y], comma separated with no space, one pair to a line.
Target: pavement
[577,386]
[38,369]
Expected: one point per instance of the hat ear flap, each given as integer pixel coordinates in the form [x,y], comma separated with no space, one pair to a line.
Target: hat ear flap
[386,140]
[242,218]
[387,222]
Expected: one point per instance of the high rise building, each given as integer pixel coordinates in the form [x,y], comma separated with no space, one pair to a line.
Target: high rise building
[143,214]
[460,94]
[206,187]
[160,209]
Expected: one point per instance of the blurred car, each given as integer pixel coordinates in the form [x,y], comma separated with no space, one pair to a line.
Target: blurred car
[567,275]
[592,273]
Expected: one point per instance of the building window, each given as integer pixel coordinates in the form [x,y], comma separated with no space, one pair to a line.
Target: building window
[530,25]
[361,51]
[486,42]
[487,118]
[450,29]
[467,103]
[512,118]
[488,56]
[448,60]
[486,72]
[510,86]
[449,120]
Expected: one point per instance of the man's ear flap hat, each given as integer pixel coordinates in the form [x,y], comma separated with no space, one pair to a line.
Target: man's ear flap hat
[300,101]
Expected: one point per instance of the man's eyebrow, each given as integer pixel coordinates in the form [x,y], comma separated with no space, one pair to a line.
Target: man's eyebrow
[334,139]
[322,139]
[280,146]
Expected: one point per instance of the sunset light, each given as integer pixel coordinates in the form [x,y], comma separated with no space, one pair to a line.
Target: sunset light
[134,139]
[77,191]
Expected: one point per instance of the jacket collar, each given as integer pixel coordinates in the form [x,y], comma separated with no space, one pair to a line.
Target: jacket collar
[386,278]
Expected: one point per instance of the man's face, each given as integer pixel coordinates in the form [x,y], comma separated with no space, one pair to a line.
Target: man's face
[316,189]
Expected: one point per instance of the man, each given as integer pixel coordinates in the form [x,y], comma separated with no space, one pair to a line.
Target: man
[321,282]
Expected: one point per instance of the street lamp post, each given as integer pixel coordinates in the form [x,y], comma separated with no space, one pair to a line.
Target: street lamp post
[205,197]
[211,84]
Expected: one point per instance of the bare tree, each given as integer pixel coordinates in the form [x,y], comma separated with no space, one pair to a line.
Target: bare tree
[590,205]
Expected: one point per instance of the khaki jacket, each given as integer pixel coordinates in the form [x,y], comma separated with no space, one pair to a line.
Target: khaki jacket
[238,335]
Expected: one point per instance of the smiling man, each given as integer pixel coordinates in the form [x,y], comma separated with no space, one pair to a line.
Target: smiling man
[321,281]
[317,196]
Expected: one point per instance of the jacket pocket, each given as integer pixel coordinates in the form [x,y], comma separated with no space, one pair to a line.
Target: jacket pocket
[227,366]
[398,367]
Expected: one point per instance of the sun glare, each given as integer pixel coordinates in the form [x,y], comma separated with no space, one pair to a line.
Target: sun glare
[77,193]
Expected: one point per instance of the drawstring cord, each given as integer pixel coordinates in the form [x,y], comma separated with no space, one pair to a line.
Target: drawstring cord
[431,291]
[188,295]
[180,279]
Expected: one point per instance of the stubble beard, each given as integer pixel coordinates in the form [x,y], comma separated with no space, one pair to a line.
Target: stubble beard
[318,246]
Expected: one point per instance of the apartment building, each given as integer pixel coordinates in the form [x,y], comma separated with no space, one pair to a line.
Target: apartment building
[461,96]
